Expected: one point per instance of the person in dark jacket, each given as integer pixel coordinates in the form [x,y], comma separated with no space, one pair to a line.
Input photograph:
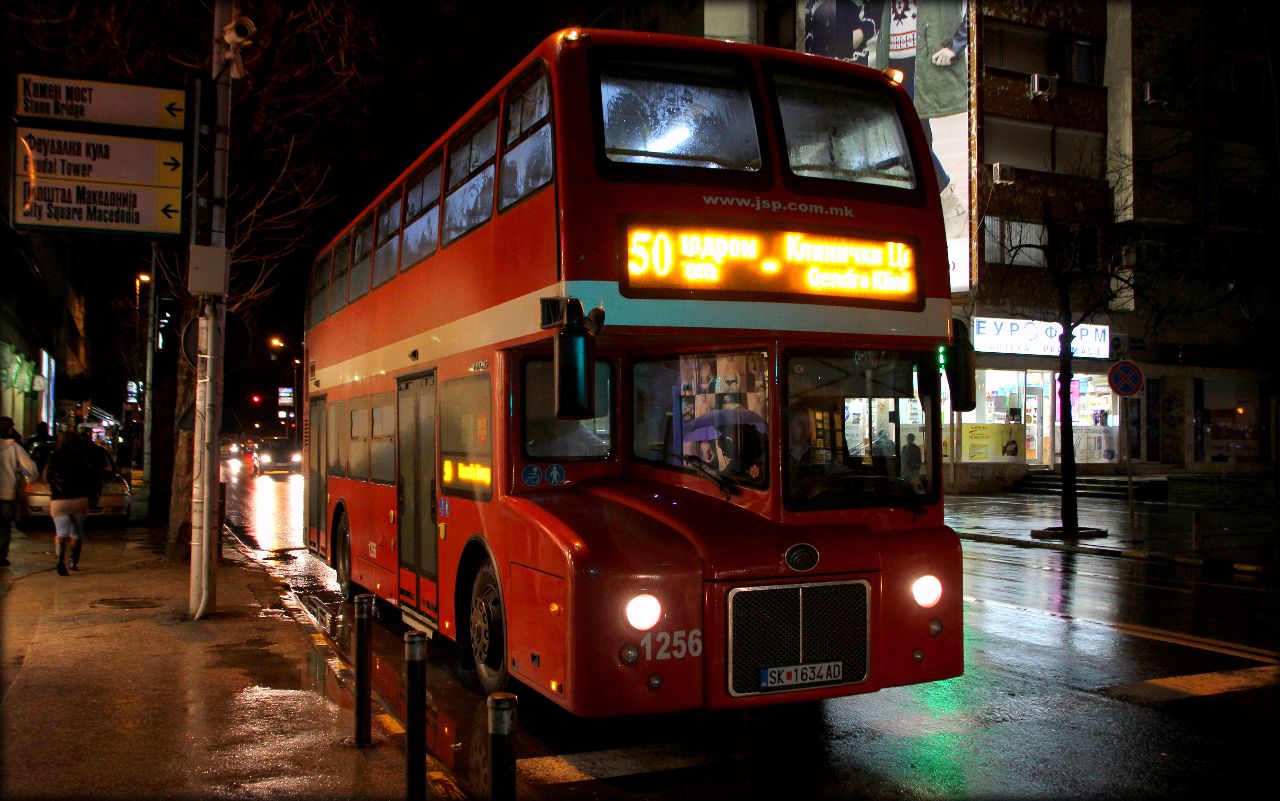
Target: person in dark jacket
[74,486]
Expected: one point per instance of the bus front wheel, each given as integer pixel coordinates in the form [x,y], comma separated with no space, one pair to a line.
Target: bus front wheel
[488,631]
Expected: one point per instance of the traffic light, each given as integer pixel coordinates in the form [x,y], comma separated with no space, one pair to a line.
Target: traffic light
[255,398]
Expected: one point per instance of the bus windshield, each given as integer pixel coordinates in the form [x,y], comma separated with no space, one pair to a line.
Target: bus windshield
[705,411]
[678,115]
[859,429]
[841,133]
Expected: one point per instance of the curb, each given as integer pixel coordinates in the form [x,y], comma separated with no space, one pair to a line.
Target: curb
[442,782]
[1206,564]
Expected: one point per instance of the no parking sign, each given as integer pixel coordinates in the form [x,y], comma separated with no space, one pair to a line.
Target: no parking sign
[1125,378]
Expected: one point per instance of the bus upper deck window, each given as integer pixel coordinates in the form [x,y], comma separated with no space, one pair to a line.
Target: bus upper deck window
[842,133]
[685,116]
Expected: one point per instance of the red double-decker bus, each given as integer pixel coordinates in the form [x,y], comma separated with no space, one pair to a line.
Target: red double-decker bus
[630,383]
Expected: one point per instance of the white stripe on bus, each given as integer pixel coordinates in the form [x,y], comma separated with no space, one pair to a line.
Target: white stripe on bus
[521,317]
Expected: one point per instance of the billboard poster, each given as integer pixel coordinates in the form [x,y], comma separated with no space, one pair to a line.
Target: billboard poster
[928,41]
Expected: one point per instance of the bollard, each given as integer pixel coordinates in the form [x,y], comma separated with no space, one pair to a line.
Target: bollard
[502,746]
[364,669]
[415,715]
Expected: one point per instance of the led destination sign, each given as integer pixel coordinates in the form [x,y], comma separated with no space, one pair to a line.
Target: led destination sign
[771,262]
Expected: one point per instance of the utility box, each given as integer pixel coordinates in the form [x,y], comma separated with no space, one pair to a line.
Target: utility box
[210,270]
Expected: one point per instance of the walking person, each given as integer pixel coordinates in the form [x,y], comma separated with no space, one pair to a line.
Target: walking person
[14,461]
[74,486]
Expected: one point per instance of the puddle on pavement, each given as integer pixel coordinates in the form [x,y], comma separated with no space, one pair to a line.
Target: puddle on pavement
[457,719]
[255,659]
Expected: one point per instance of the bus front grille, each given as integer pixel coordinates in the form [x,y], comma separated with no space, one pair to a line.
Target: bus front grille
[794,637]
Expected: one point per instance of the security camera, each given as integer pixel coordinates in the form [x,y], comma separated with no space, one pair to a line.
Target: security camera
[237,32]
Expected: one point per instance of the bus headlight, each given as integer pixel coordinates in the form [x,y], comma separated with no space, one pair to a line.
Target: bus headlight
[643,612]
[927,591]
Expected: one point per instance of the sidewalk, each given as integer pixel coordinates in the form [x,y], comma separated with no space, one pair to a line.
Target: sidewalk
[110,690]
[1217,539]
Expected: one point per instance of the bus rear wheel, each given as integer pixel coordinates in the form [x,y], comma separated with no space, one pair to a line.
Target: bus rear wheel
[488,631]
[342,559]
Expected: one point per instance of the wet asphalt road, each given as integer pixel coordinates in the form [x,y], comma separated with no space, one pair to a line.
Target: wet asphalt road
[1086,676]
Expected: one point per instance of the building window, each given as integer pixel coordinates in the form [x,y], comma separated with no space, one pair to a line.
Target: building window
[1029,50]
[1044,148]
[1014,242]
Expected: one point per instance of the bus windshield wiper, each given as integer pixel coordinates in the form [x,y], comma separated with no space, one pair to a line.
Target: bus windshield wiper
[727,485]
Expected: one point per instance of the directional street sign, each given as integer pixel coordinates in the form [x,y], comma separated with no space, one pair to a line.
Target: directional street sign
[107,157]
[1125,378]
[69,180]
[75,100]
[77,205]
[98,159]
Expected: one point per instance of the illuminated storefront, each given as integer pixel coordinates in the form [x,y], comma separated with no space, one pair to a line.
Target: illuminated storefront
[1017,418]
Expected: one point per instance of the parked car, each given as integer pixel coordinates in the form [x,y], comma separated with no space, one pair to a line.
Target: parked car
[277,455]
[113,503]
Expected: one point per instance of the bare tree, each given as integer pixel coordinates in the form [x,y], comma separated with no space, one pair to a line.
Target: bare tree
[307,69]
[1096,263]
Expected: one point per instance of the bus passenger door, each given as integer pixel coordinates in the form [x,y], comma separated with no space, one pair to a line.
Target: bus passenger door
[416,488]
[317,478]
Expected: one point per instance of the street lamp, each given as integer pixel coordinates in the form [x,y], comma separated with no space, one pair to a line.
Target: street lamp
[137,398]
[279,344]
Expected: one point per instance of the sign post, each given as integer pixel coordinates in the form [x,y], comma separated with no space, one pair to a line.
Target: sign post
[1125,378]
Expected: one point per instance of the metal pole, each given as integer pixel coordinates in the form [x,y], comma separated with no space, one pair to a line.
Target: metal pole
[205,485]
[415,730]
[502,746]
[196,604]
[152,313]
[364,663]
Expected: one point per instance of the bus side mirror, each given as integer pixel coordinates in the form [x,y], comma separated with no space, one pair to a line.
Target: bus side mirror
[961,369]
[574,354]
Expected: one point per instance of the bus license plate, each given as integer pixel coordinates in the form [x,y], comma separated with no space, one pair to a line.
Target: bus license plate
[794,675]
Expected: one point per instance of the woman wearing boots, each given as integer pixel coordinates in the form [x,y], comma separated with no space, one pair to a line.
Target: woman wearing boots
[74,486]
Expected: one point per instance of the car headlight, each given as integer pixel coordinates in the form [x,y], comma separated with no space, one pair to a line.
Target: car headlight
[927,591]
[643,612]
[264,458]
[296,458]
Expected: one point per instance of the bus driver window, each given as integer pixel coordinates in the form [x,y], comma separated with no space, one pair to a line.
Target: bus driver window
[546,436]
